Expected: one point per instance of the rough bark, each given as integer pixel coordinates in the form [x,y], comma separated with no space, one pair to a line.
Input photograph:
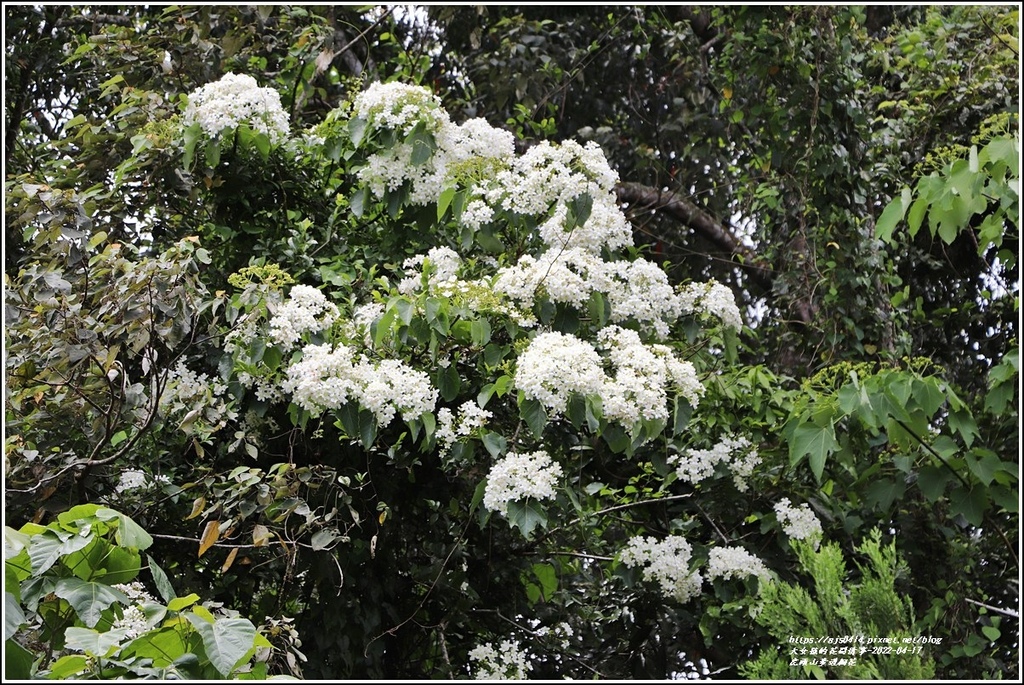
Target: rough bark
[707,226]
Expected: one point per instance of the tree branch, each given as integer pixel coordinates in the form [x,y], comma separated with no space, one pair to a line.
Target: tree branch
[694,217]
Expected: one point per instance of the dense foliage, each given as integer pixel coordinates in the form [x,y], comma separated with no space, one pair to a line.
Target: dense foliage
[404,342]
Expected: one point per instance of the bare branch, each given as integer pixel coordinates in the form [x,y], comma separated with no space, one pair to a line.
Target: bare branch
[689,214]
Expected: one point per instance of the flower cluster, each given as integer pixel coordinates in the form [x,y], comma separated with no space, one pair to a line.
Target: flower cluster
[134,479]
[133,621]
[328,377]
[643,373]
[697,465]
[460,153]
[735,562]
[666,562]
[711,298]
[556,365]
[471,418]
[798,523]
[400,107]
[306,311]
[519,476]
[234,100]
[194,400]
[636,291]
[443,265]
[507,662]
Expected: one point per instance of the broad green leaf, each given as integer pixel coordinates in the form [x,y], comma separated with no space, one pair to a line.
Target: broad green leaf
[18,662]
[526,515]
[883,492]
[983,464]
[548,579]
[970,504]
[359,201]
[88,599]
[129,533]
[227,641]
[444,200]
[46,548]
[179,603]
[93,642]
[356,129]
[449,383]
[14,618]
[891,216]
[814,441]
[495,443]
[932,481]
[533,413]
[323,539]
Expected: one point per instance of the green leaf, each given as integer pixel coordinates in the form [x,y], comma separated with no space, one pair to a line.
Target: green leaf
[47,547]
[179,603]
[813,440]
[444,200]
[449,383]
[984,464]
[227,641]
[359,201]
[88,599]
[532,411]
[129,533]
[991,632]
[526,515]
[93,642]
[970,504]
[18,662]
[14,618]
[323,539]
[883,492]
[548,579]
[891,216]
[495,443]
[356,129]
[932,481]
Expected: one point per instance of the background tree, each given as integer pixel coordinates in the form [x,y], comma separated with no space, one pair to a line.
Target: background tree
[756,146]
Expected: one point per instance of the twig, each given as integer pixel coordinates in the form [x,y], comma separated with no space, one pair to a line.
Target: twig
[1004,612]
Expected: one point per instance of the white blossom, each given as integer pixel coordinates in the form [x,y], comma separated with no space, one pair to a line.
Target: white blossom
[521,476]
[666,562]
[798,523]
[696,465]
[643,375]
[306,311]
[711,298]
[507,662]
[735,562]
[234,100]
[328,377]
[444,265]
[554,366]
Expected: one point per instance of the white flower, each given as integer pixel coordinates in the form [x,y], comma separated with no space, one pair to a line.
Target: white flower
[643,375]
[399,106]
[735,562]
[508,662]
[234,100]
[519,476]
[327,378]
[306,311]
[798,523]
[696,465]
[555,365]
[444,265]
[666,562]
[134,479]
[711,298]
